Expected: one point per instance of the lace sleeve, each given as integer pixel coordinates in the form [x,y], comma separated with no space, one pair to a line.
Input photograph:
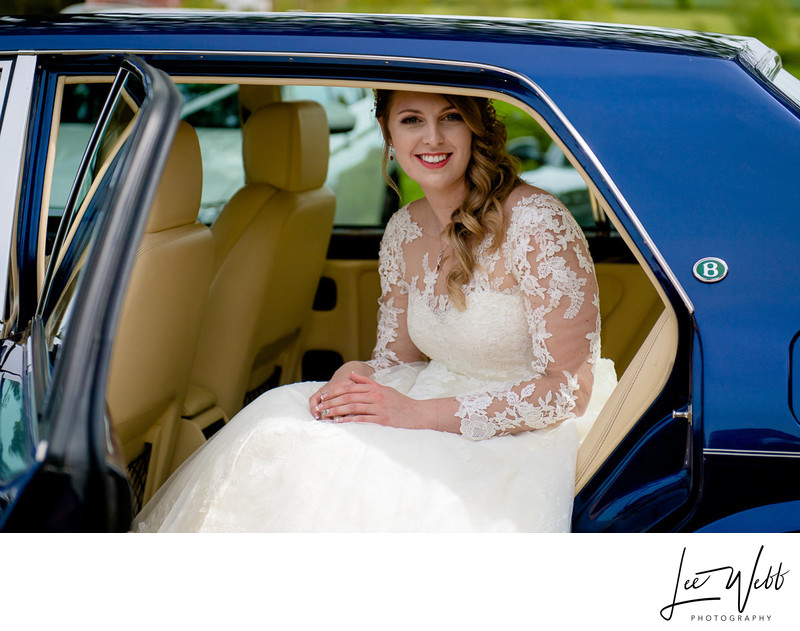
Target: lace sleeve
[546,253]
[393,345]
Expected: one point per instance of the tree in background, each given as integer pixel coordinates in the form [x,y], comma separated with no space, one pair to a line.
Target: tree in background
[578,9]
[763,19]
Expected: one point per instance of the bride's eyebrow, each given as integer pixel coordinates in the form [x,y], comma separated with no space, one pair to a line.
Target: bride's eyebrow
[444,110]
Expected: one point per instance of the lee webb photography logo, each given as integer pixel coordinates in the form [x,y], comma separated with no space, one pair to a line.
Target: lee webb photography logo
[751,590]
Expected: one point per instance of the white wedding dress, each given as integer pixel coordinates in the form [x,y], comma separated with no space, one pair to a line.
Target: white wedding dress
[275,468]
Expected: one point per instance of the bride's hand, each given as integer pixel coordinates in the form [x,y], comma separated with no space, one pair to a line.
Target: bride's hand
[340,378]
[362,400]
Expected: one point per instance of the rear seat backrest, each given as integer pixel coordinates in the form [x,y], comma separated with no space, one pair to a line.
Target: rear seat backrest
[271,241]
[160,319]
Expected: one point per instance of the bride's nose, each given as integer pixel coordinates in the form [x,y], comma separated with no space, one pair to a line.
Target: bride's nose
[433,134]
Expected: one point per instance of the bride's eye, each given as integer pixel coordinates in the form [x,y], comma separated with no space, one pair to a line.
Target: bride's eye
[409,120]
[453,117]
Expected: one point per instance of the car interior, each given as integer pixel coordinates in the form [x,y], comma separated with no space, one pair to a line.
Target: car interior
[276,288]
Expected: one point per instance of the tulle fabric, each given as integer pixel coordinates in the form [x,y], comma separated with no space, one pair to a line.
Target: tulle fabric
[274,468]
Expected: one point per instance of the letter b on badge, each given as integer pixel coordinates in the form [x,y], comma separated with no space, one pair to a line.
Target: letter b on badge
[710,270]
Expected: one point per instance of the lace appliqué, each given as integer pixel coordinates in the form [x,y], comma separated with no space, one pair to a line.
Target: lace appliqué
[525,332]
[594,336]
[400,230]
[540,225]
[383,356]
[482,280]
[519,410]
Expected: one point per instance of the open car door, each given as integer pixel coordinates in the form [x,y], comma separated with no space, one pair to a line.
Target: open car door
[64,472]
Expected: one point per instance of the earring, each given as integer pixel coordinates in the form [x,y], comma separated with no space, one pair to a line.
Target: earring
[391,152]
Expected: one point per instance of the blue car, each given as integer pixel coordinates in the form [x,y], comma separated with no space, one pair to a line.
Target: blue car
[134,325]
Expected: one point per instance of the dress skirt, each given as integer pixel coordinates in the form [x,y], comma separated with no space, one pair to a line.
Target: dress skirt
[274,468]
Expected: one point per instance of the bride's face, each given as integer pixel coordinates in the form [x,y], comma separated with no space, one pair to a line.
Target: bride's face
[432,142]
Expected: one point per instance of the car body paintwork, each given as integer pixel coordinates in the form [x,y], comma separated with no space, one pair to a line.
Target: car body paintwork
[685,136]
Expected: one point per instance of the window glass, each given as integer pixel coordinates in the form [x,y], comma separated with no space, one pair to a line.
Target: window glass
[354,169]
[82,214]
[81,104]
[15,443]
[213,111]
[556,175]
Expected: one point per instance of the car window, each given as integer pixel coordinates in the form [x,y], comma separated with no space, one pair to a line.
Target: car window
[15,451]
[81,215]
[17,97]
[81,102]
[213,111]
[363,199]
[354,168]
[556,175]
[354,172]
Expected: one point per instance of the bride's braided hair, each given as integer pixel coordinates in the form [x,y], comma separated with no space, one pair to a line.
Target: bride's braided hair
[491,175]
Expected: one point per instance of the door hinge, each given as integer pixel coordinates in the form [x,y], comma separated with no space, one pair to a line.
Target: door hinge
[684,413]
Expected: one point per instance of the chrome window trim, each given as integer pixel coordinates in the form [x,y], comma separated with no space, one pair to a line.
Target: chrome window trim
[788,85]
[751,452]
[451,63]
[17,89]
[5,73]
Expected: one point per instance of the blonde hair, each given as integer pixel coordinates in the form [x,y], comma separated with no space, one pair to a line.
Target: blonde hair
[491,176]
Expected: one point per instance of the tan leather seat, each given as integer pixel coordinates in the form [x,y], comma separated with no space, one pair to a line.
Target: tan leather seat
[629,307]
[160,319]
[271,241]
[640,384]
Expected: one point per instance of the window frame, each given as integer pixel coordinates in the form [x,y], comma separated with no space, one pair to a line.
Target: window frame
[17,77]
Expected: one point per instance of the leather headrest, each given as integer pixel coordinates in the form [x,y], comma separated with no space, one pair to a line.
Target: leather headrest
[254,97]
[177,199]
[286,145]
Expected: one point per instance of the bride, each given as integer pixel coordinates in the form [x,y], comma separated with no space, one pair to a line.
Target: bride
[485,375]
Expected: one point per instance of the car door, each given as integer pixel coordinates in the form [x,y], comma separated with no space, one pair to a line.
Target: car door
[68,474]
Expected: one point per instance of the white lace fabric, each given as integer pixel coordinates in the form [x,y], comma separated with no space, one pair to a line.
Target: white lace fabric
[520,356]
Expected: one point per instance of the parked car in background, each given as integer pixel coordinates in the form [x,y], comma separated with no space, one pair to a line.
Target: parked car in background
[556,175]
[132,331]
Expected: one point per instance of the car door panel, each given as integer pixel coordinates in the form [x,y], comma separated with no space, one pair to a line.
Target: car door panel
[343,322]
[80,483]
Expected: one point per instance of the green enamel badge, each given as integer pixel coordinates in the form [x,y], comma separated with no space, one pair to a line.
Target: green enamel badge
[710,269]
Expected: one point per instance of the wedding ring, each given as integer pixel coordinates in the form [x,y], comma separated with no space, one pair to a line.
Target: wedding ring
[325,412]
